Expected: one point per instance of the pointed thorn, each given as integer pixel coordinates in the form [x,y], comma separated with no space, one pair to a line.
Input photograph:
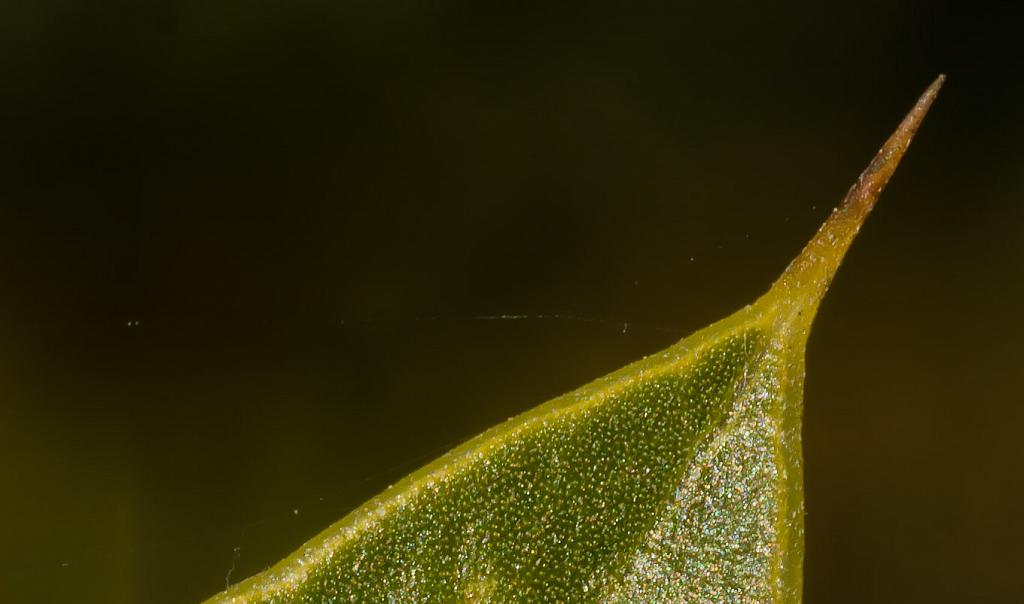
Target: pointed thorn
[812,271]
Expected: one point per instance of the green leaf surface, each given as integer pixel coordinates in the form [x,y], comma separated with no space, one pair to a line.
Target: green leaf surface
[675,479]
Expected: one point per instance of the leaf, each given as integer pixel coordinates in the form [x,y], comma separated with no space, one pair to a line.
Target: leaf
[678,478]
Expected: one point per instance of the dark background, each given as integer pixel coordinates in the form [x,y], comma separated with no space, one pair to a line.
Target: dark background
[248,249]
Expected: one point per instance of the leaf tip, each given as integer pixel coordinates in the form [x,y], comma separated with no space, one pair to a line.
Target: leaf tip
[811,273]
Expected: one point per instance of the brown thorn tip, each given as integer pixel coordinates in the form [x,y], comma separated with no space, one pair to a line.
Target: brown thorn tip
[864,193]
[814,268]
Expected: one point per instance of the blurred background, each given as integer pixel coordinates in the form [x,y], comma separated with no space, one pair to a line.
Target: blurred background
[251,254]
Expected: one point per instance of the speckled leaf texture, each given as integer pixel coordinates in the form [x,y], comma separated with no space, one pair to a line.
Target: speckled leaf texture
[675,479]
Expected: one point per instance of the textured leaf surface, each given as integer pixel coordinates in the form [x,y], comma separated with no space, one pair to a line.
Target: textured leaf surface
[675,479]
